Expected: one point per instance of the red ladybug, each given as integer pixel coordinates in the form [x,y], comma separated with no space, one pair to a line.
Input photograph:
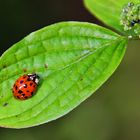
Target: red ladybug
[25,86]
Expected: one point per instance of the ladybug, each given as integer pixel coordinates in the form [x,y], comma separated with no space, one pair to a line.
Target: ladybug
[25,86]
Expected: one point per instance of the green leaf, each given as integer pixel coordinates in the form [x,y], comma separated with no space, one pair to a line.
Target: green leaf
[108,11]
[73,60]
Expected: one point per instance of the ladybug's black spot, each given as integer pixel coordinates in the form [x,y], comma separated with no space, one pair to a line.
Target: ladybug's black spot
[16,87]
[24,77]
[23,94]
[21,81]
[32,93]
[18,97]
[31,84]
[27,91]
[25,85]
[20,91]
[26,97]
[28,79]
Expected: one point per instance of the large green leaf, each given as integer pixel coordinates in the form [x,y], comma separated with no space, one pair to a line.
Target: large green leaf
[108,11]
[73,59]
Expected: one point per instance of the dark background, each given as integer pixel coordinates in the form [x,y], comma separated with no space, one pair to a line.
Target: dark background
[112,113]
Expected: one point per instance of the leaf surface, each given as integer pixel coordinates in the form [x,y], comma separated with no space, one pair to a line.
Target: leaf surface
[73,59]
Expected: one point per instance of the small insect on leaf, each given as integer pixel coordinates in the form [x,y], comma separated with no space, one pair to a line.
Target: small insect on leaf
[25,86]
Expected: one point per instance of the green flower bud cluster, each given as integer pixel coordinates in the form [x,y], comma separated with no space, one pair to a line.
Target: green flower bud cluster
[130,18]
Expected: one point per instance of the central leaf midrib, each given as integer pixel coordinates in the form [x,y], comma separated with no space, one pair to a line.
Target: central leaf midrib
[105,45]
[50,50]
[76,61]
[27,109]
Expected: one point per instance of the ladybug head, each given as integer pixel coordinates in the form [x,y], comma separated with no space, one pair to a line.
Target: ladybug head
[34,77]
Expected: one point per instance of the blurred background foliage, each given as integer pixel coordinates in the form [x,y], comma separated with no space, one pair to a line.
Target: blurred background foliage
[112,113]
